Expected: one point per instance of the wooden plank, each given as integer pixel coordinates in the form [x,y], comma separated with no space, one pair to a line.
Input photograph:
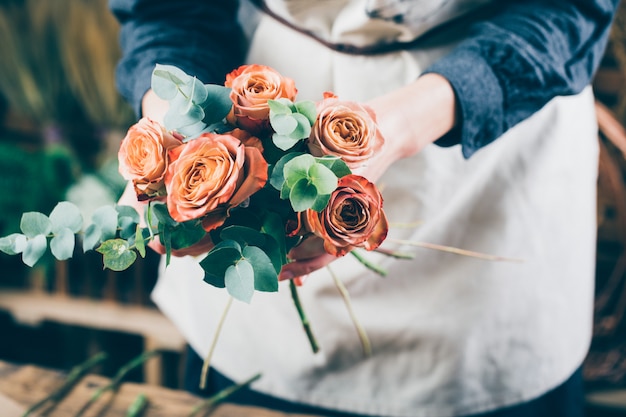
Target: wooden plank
[28,384]
[32,309]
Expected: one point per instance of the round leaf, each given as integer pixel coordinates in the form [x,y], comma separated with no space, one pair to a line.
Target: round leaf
[166,79]
[66,215]
[217,104]
[302,195]
[34,223]
[106,218]
[335,164]
[298,168]
[308,110]
[218,260]
[35,248]
[62,245]
[239,281]
[284,124]
[281,106]
[323,179]
[284,143]
[117,255]
[265,276]
[13,244]
[92,237]
[302,129]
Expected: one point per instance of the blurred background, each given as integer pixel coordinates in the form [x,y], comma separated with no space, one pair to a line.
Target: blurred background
[61,121]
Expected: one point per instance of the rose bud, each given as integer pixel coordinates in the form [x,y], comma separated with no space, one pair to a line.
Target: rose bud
[143,157]
[252,86]
[347,130]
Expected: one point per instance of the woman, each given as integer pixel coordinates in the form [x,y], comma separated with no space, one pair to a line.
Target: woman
[451,335]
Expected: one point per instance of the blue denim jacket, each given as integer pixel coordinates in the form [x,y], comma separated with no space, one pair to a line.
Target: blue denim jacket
[509,66]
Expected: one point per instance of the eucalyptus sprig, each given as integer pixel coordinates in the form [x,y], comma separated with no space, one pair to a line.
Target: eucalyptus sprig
[291,121]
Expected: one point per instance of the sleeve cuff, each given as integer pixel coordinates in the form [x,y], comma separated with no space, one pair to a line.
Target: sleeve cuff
[479,99]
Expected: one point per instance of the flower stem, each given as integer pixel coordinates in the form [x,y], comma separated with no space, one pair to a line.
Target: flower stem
[454,250]
[76,373]
[222,395]
[218,330]
[368,264]
[138,406]
[365,341]
[303,318]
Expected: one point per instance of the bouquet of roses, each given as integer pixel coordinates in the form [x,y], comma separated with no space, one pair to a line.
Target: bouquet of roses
[242,172]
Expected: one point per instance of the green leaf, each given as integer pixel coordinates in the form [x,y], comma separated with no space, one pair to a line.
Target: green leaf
[199,92]
[195,112]
[335,164]
[186,234]
[308,110]
[13,244]
[275,228]
[163,216]
[302,195]
[283,124]
[117,255]
[62,244]
[127,227]
[280,106]
[106,218]
[243,235]
[298,168]
[140,243]
[128,211]
[223,255]
[34,223]
[323,179]
[320,202]
[265,275]
[35,248]
[166,80]
[239,281]
[277,178]
[92,237]
[284,143]
[217,104]
[193,130]
[302,129]
[66,215]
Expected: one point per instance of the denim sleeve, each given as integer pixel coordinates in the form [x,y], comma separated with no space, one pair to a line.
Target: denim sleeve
[513,63]
[200,37]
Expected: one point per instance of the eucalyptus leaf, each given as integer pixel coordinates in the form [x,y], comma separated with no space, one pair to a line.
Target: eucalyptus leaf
[166,81]
[303,195]
[298,168]
[243,235]
[127,211]
[34,223]
[274,227]
[186,234]
[66,215]
[277,178]
[106,218]
[239,281]
[199,92]
[162,214]
[280,106]
[217,104]
[307,109]
[193,131]
[265,275]
[302,129]
[13,244]
[140,243]
[62,244]
[91,238]
[324,180]
[126,227]
[335,164]
[283,124]
[34,250]
[221,257]
[284,143]
[117,255]
[320,202]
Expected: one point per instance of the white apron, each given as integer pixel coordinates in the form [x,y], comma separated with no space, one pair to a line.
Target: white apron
[451,335]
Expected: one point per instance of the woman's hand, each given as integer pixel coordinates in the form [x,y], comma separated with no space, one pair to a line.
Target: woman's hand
[409,119]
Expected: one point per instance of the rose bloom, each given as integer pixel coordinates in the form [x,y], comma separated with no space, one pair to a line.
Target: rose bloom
[353,218]
[345,129]
[143,157]
[252,86]
[210,175]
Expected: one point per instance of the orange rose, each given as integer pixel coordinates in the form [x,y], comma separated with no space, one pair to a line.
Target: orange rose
[345,129]
[252,86]
[210,175]
[353,218]
[143,157]
[247,139]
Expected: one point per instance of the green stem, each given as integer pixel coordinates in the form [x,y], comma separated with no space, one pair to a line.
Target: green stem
[395,254]
[207,360]
[75,374]
[114,384]
[365,341]
[222,395]
[303,318]
[138,406]
[368,264]
[454,250]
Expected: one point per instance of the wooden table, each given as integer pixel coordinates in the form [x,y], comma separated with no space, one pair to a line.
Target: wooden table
[22,386]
